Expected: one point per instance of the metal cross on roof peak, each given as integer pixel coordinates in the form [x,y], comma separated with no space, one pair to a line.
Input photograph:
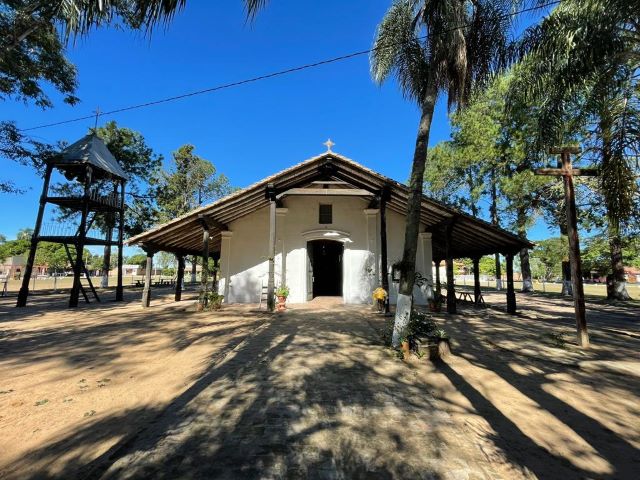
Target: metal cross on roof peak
[329,144]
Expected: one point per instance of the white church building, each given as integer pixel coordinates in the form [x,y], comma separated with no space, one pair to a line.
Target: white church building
[333,226]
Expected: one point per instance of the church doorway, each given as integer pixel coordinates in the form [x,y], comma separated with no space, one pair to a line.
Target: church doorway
[325,268]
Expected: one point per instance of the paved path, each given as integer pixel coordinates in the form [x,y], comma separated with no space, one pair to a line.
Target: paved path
[309,394]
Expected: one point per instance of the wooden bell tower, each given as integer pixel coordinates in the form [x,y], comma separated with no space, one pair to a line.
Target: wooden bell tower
[96,186]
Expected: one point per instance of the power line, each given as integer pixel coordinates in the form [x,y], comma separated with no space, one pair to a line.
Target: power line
[273,74]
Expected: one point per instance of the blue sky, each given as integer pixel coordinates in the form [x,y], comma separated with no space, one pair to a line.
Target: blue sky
[250,131]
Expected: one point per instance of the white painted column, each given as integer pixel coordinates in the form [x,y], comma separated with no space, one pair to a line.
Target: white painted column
[372,243]
[281,217]
[427,262]
[225,265]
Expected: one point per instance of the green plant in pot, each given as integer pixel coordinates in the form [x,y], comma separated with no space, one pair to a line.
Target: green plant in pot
[435,304]
[439,344]
[214,301]
[282,292]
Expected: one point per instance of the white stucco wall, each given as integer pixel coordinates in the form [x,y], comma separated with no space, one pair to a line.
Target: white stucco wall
[244,255]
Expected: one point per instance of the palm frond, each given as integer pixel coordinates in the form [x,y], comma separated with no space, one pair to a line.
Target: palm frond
[458,44]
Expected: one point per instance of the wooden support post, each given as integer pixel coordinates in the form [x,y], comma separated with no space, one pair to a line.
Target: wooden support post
[119,288]
[78,267]
[574,253]
[204,277]
[24,289]
[476,280]
[146,291]
[111,219]
[438,284]
[511,292]
[384,270]
[451,292]
[272,257]
[567,172]
[270,194]
[180,278]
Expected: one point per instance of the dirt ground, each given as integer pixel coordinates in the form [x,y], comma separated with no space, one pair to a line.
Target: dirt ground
[81,387]
[537,402]
[62,370]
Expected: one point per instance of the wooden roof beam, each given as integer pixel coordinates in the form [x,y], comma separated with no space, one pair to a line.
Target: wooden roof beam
[212,223]
[336,192]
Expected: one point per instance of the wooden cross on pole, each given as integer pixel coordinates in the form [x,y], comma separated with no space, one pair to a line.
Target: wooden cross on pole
[97,112]
[567,172]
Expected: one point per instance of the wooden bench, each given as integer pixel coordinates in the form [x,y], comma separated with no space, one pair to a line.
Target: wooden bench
[466,296]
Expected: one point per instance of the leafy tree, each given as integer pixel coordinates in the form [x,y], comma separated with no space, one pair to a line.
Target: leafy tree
[424,44]
[595,256]
[487,266]
[137,259]
[25,234]
[53,255]
[13,248]
[581,63]
[20,148]
[32,47]
[140,163]
[548,256]
[2,238]
[191,182]
[491,157]
[33,39]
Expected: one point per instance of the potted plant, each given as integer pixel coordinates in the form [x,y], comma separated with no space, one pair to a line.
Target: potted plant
[439,345]
[435,304]
[282,293]
[405,347]
[214,301]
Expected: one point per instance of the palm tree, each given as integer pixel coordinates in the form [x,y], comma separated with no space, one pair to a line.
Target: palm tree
[434,46]
[584,59]
[79,17]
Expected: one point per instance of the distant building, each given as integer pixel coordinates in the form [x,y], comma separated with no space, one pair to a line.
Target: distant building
[128,270]
[13,267]
[632,274]
[133,271]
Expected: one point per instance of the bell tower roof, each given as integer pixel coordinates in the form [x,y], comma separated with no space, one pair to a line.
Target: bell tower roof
[90,150]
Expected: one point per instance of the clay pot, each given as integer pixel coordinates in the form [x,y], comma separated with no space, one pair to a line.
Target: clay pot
[282,300]
[439,349]
[406,350]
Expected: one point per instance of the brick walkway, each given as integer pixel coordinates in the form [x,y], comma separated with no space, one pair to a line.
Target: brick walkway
[308,394]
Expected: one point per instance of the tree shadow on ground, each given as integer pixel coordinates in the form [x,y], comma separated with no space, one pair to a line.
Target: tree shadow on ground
[291,400]
[108,334]
[621,455]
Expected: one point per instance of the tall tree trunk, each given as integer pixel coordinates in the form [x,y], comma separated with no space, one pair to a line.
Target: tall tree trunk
[495,221]
[472,204]
[106,259]
[106,264]
[412,227]
[194,266]
[567,287]
[525,266]
[619,290]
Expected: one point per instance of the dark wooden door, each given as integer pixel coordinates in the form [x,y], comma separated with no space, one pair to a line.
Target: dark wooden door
[326,259]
